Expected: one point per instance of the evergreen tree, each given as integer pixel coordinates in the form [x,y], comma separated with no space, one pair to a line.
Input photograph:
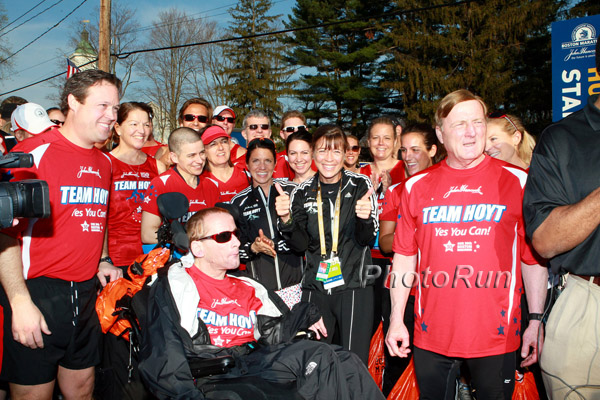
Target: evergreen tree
[497,49]
[255,75]
[342,82]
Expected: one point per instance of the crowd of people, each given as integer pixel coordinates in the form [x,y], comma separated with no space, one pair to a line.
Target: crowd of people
[446,235]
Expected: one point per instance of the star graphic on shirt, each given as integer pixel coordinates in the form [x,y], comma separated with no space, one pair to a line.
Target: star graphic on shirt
[515,320]
[138,209]
[501,330]
[85,226]
[218,341]
[424,327]
[503,313]
[449,246]
[517,332]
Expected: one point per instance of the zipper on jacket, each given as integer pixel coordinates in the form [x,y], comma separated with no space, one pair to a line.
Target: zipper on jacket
[268,212]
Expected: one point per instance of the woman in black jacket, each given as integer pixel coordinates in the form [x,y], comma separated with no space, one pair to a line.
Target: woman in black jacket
[267,256]
[334,219]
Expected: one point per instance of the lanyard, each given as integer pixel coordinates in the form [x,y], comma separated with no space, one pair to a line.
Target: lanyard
[336,221]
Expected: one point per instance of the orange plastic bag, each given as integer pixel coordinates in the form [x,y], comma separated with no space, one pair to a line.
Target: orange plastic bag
[406,388]
[106,303]
[377,356]
[525,388]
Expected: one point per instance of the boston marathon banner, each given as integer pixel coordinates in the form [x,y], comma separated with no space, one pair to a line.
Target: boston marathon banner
[574,75]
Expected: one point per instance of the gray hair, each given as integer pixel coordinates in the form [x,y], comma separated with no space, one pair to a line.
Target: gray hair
[256,114]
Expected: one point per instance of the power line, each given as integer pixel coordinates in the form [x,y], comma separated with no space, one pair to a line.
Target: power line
[323,25]
[303,28]
[45,79]
[21,16]
[48,30]
[26,21]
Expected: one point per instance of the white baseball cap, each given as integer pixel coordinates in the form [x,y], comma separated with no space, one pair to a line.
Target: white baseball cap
[31,118]
[220,109]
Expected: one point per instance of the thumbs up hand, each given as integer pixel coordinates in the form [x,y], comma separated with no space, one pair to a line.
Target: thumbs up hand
[282,204]
[363,205]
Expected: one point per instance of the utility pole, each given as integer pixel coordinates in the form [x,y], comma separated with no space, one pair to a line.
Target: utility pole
[104,36]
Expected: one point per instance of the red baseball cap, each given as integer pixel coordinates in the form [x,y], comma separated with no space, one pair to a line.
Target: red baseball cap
[213,132]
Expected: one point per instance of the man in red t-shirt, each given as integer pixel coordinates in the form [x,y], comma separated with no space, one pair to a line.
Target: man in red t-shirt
[460,234]
[188,157]
[48,265]
[236,312]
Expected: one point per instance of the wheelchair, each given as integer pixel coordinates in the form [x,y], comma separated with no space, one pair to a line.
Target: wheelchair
[129,316]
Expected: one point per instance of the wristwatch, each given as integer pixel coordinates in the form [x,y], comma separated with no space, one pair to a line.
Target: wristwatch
[535,316]
[106,259]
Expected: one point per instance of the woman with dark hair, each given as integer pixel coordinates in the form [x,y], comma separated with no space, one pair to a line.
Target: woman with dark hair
[298,146]
[132,172]
[263,249]
[229,178]
[333,219]
[195,113]
[352,153]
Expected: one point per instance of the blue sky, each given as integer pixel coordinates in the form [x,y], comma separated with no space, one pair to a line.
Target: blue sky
[41,59]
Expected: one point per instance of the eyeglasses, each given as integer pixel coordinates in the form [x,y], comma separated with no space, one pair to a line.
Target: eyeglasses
[57,122]
[354,149]
[219,118]
[254,127]
[499,114]
[291,129]
[191,117]
[222,237]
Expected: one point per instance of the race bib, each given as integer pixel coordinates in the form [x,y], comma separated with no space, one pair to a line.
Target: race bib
[334,274]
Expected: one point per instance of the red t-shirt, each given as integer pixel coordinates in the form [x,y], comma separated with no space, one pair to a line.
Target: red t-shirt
[151,150]
[227,307]
[467,226]
[282,167]
[68,244]
[397,175]
[129,183]
[238,182]
[205,195]
[237,160]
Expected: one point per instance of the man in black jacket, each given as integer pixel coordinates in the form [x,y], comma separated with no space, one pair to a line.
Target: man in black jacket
[198,310]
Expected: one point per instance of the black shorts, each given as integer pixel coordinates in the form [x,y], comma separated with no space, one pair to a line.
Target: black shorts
[69,310]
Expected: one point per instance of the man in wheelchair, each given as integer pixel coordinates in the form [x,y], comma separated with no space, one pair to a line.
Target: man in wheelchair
[197,311]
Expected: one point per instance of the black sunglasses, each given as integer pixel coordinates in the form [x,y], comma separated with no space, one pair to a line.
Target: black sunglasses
[219,118]
[354,149]
[222,237]
[291,129]
[191,117]
[57,122]
[500,114]
[254,127]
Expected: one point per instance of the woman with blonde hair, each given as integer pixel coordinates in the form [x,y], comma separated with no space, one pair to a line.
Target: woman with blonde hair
[508,140]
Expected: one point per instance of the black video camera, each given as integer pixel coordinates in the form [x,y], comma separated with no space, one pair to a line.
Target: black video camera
[24,199]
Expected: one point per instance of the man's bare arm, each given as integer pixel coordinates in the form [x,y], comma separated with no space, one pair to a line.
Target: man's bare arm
[386,235]
[535,278]
[150,225]
[567,226]
[28,323]
[403,274]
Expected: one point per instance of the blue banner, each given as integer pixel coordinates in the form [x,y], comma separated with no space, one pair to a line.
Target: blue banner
[574,75]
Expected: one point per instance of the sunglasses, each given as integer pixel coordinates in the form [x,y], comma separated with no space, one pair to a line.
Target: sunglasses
[219,118]
[191,117]
[222,237]
[354,149]
[291,129]
[499,114]
[254,127]
[57,122]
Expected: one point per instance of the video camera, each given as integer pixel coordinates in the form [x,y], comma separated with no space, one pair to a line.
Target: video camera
[24,199]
